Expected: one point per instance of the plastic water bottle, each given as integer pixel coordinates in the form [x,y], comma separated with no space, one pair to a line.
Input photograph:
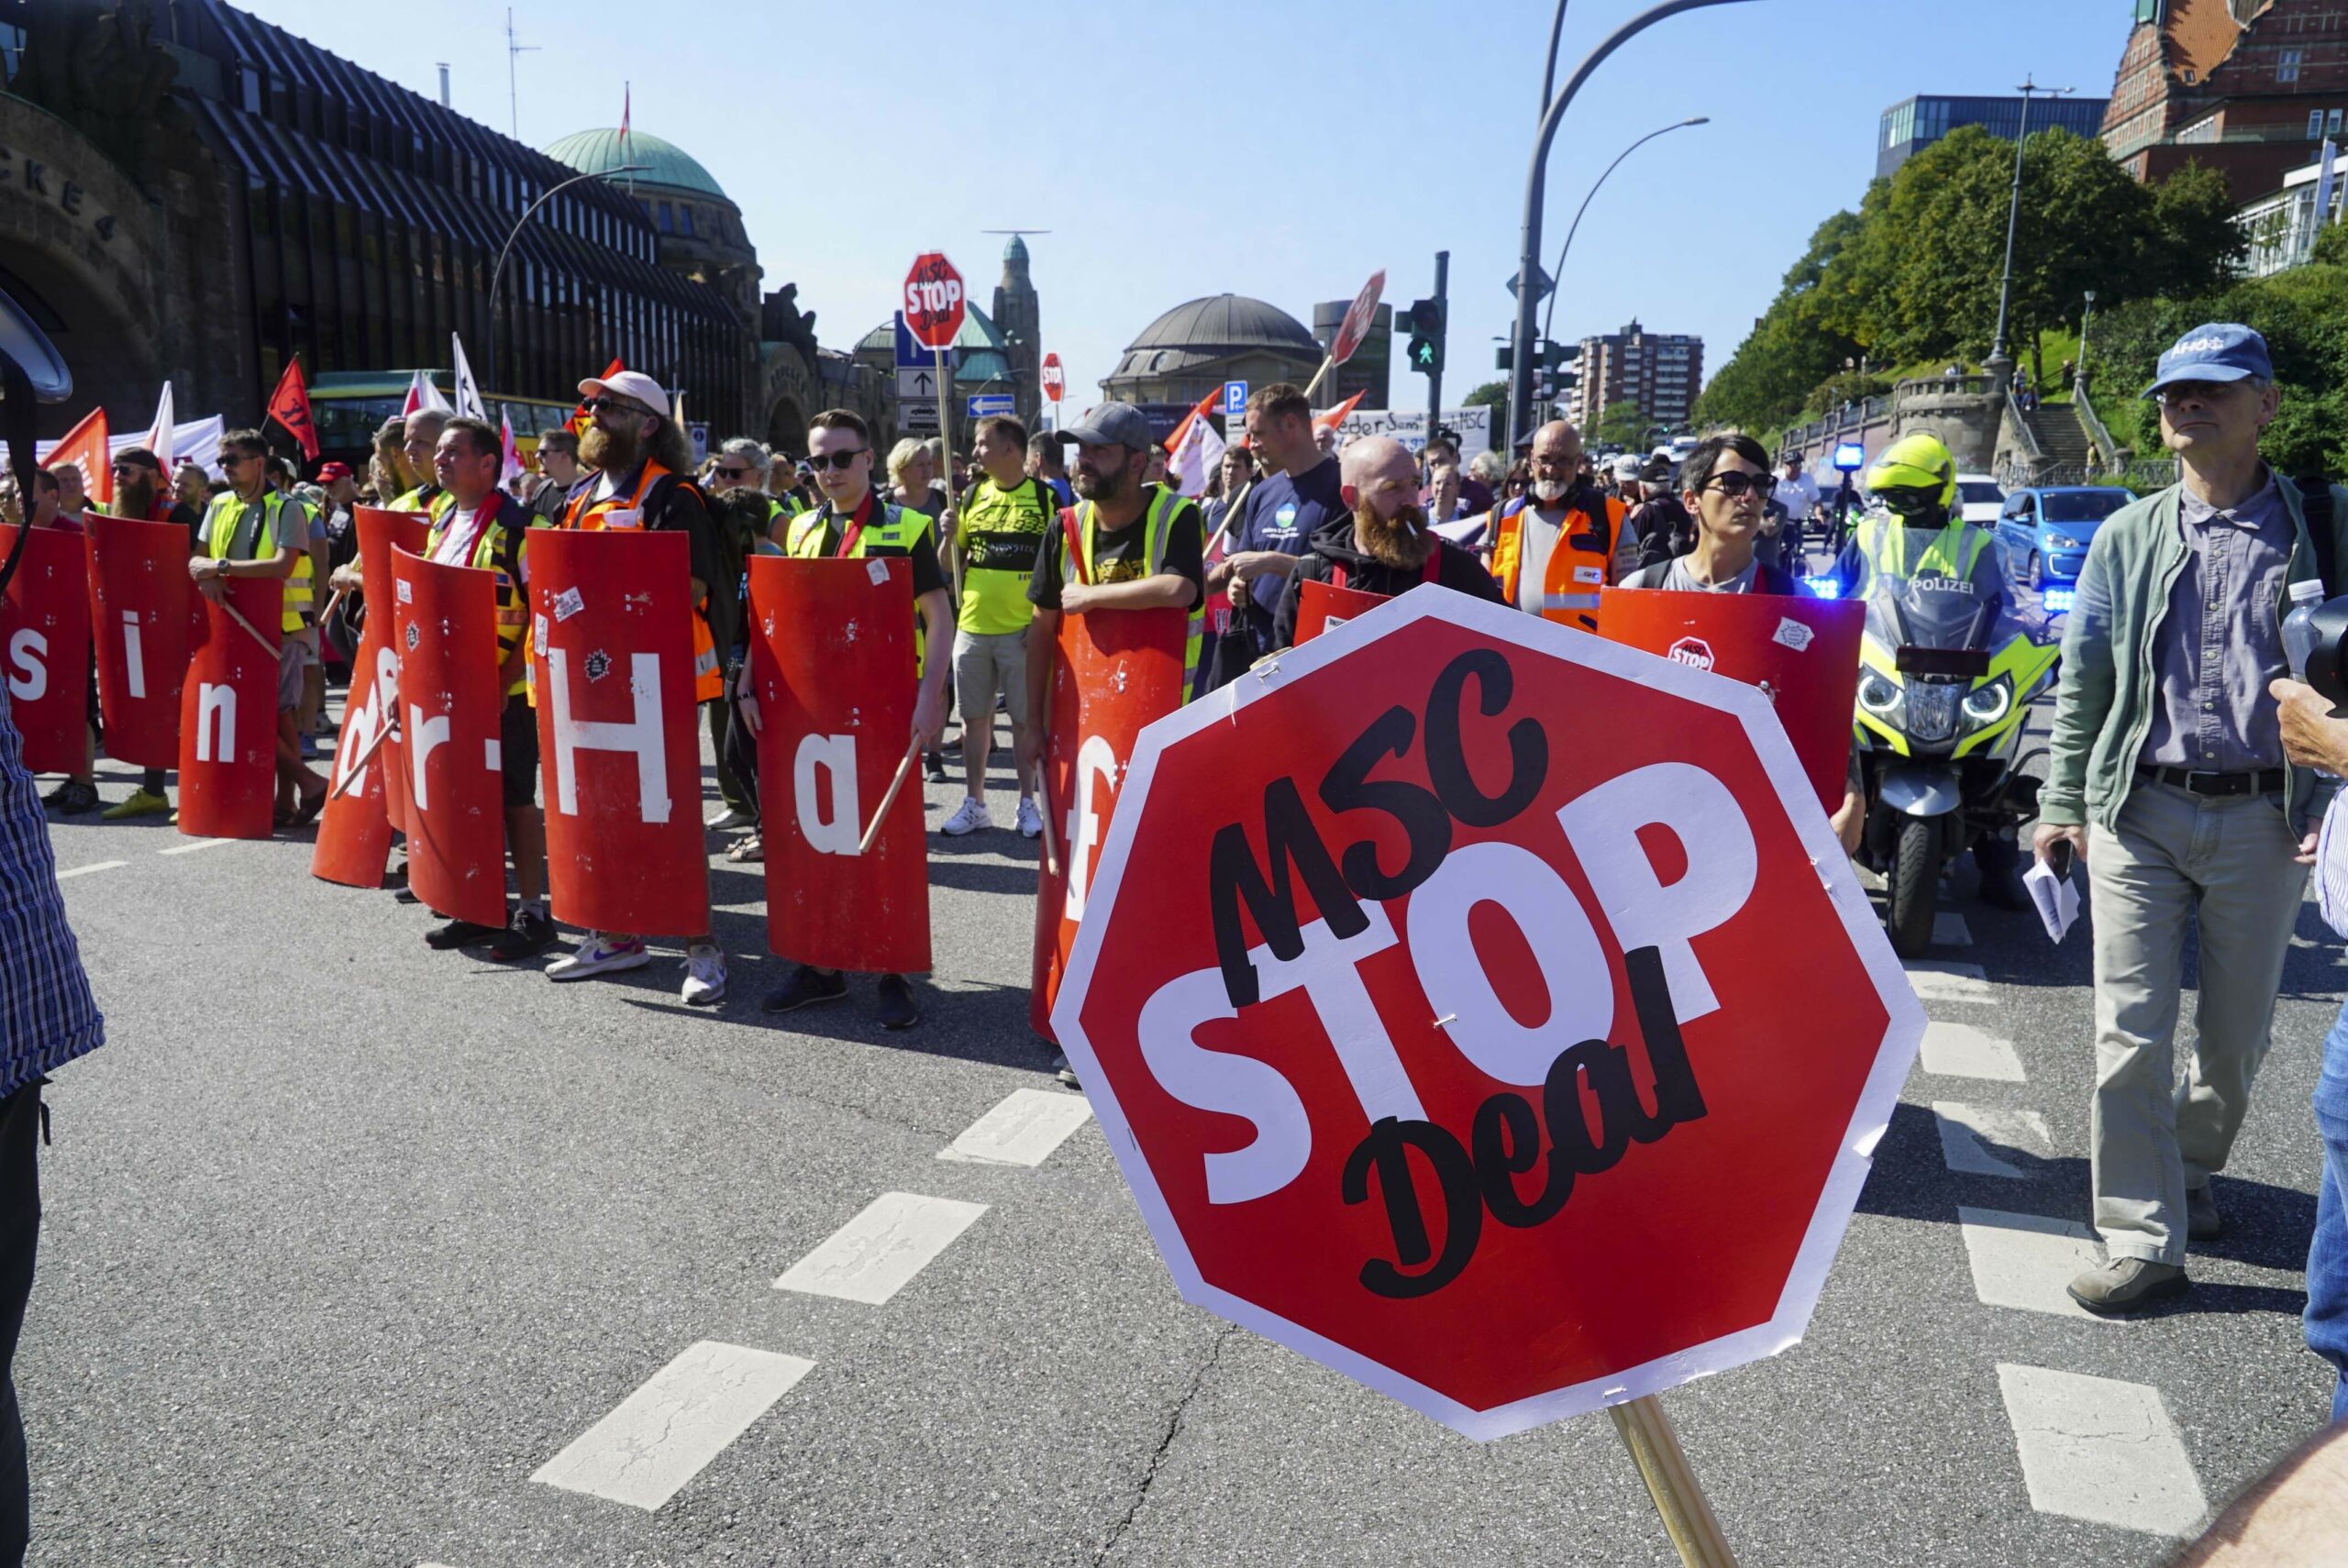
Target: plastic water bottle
[2300,636]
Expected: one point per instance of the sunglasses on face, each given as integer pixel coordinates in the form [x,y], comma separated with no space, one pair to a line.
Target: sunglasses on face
[736,473]
[1735,485]
[839,461]
[612,406]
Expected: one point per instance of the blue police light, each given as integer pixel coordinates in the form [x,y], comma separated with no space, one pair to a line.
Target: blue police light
[2057,601]
[1850,457]
[1822,587]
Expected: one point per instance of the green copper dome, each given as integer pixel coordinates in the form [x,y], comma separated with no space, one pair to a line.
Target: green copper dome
[593,151]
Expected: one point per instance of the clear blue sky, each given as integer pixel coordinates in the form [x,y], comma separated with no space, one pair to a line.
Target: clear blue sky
[1283,148]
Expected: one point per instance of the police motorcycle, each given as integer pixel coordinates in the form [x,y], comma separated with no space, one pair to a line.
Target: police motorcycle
[1947,678]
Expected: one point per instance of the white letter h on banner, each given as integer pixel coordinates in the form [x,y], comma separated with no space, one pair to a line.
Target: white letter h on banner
[641,735]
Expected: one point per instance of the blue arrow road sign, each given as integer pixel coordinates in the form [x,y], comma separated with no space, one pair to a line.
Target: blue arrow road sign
[1234,400]
[910,352]
[984,403]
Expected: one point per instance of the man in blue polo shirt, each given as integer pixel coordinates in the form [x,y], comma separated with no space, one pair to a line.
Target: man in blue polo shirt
[1302,491]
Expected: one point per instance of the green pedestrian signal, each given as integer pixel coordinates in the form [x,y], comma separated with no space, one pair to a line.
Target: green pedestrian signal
[1425,350]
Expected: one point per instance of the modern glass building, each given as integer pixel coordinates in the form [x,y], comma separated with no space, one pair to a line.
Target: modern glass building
[1914,124]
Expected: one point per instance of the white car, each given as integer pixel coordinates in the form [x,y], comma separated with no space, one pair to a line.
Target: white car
[1978,497]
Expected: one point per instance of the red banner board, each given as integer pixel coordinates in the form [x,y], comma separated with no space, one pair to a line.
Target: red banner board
[451,704]
[1803,653]
[611,618]
[1112,672]
[45,648]
[1433,995]
[355,833]
[143,618]
[832,668]
[228,714]
[1322,605]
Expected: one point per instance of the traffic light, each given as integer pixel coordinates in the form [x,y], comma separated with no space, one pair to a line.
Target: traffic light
[1426,337]
[1554,355]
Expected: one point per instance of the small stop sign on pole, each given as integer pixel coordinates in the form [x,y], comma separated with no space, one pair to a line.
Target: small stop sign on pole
[1355,326]
[934,299]
[1055,383]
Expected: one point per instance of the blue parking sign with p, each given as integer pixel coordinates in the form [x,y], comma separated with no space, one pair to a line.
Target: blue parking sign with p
[1234,400]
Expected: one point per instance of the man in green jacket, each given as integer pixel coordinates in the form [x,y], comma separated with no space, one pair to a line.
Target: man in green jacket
[2167,742]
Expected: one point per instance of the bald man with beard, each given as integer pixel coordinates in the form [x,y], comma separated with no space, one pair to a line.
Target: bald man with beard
[1384,546]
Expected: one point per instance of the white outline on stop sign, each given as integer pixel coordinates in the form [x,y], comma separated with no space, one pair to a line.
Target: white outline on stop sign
[1894,1055]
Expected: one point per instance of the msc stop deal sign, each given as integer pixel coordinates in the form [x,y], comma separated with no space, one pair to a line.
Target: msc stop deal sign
[1486,1011]
[934,301]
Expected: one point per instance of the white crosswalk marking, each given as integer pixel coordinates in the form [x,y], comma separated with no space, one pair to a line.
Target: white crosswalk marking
[1949,930]
[2097,1449]
[1961,1051]
[94,866]
[872,1256]
[1022,1131]
[2024,1261]
[1940,980]
[1975,1138]
[199,844]
[662,1434]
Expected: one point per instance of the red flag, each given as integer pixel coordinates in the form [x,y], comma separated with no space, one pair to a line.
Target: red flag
[1196,416]
[85,444]
[579,421]
[290,407]
[1329,419]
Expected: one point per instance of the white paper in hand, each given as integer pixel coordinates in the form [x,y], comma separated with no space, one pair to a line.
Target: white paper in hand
[2056,898]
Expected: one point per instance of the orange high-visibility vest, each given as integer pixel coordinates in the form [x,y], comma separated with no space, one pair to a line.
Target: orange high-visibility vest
[1582,563]
[616,511]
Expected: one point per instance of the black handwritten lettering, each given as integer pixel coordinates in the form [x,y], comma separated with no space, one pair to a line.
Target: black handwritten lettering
[1421,815]
[1387,1149]
[1528,747]
[1233,877]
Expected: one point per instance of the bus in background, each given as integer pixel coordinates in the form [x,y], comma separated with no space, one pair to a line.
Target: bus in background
[349,406]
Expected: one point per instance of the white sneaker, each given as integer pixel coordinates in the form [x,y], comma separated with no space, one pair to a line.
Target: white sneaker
[598,954]
[730,818]
[705,974]
[968,818]
[1031,820]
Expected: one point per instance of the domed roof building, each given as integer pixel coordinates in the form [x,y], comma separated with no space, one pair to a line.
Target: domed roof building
[1196,347]
[700,227]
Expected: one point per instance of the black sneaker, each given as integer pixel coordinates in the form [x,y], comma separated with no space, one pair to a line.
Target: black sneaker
[898,1009]
[458,934]
[807,988]
[72,797]
[935,766]
[531,934]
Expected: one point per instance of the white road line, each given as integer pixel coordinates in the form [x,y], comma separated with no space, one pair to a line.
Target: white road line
[1023,1130]
[2024,1261]
[1949,930]
[1977,1139]
[1940,980]
[872,1256]
[661,1435]
[2097,1449]
[94,866]
[199,844]
[1961,1051]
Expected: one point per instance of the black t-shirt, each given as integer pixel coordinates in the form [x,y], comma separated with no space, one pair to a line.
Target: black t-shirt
[929,576]
[1118,553]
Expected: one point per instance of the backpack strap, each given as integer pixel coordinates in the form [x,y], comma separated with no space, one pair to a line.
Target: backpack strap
[2315,497]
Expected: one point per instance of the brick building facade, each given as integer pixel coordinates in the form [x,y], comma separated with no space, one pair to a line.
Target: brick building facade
[2247,87]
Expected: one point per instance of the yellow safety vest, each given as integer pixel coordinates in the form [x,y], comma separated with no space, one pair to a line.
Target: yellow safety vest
[235,531]
[501,548]
[1956,547]
[1156,526]
[895,529]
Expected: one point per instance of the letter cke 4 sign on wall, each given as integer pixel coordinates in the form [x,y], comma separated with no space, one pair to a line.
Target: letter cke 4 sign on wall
[1455,1052]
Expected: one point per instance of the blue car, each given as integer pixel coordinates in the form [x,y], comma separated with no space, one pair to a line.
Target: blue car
[2044,533]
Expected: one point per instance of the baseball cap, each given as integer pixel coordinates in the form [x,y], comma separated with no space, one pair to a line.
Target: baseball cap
[629,383]
[1627,469]
[1112,425]
[329,472]
[2214,351]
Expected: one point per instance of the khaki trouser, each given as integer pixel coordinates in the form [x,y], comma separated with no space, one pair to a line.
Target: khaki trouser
[2228,865]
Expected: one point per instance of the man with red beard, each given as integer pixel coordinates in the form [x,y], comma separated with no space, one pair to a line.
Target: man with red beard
[1385,546]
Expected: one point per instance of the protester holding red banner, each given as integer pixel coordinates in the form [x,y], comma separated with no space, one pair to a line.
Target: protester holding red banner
[642,457]
[419,440]
[487,529]
[1723,484]
[855,523]
[251,530]
[1387,546]
[140,493]
[78,793]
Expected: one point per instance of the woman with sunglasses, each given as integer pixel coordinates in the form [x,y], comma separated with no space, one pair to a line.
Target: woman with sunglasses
[1723,484]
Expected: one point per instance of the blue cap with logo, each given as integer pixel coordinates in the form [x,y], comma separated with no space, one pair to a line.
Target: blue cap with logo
[2214,351]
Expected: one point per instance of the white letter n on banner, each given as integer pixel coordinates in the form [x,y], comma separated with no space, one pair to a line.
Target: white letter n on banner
[642,734]
[216,715]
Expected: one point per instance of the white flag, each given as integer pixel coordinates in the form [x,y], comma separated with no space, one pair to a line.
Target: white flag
[1194,457]
[158,440]
[422,394]
[468,393]
[513,468]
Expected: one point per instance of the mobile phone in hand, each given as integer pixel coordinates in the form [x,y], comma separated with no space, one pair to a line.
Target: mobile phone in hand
[2058,857]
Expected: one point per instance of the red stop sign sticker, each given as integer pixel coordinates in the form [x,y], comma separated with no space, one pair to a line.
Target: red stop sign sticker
[1055,381]
[934,299]
[1433,992]
[1355,325]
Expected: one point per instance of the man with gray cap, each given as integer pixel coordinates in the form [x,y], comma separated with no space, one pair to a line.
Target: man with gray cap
[2167,740]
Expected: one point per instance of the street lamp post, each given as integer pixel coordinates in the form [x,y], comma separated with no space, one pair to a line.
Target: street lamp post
[1528,271]
[497,274]
[1549,316]
[2013,209]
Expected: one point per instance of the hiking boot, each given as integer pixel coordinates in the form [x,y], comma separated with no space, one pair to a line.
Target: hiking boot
[2127,1284]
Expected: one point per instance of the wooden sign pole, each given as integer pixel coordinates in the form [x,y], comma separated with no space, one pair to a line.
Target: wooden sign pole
[1688,1518]
[1327,364]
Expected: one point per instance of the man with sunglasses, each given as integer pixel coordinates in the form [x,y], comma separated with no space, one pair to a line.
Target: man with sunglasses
[2167,740]
[641,458]
[141,492]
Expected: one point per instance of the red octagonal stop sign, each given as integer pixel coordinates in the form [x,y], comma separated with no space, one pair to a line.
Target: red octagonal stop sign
[934,301]
[1486,1011]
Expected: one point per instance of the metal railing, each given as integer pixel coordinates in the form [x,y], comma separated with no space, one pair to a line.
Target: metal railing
[2108,451]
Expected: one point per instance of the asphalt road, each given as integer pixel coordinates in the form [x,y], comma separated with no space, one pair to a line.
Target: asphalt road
[346,1240]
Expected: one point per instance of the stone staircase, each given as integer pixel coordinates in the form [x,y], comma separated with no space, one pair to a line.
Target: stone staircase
[2062,440]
